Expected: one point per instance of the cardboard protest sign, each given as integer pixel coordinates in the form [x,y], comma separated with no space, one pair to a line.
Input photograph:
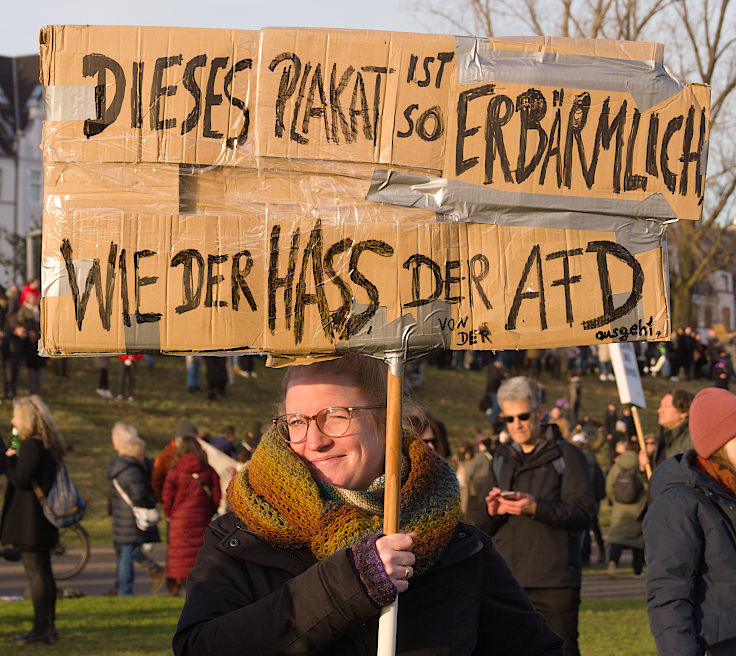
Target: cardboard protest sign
[538,116]
[626,369]
[306,192]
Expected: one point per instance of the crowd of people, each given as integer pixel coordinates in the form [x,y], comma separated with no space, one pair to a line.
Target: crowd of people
[20,329]
[295,554]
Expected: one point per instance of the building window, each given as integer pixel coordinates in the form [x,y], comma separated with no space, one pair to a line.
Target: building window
[36,186]
[726,318]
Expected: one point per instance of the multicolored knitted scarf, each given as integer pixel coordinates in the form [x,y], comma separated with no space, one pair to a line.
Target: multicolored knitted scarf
[720,473]
[277,499]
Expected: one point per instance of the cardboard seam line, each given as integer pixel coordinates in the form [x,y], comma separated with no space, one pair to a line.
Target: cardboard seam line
[649,83]
[638,225]
[72,102]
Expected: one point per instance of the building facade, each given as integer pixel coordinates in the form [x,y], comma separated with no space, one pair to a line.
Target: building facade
[21,165]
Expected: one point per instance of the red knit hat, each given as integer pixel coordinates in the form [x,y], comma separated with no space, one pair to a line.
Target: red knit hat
[712,420]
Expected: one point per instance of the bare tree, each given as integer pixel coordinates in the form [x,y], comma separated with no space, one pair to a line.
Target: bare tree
[700,36]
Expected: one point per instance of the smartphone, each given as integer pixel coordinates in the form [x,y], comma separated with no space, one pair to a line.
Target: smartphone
[510,494]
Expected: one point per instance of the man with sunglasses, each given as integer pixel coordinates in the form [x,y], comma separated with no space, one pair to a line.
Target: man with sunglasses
[541,499]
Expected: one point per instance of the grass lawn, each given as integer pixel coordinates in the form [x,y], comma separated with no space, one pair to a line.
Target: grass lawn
[144,625]
[162,399]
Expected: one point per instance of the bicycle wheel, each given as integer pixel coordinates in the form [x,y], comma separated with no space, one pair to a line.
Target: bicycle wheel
[70,555]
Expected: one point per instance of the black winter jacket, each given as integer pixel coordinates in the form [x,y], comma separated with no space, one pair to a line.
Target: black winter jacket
[134,477]
[690,546]
[543,550]
[247,597]
[23,522]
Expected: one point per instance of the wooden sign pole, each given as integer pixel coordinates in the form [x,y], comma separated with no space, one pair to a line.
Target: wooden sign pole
[388,619]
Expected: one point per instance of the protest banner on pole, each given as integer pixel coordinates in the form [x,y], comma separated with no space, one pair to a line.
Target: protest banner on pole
[628,382]
[309,192]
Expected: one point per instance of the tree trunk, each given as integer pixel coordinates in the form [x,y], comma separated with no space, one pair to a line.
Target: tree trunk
[682,308]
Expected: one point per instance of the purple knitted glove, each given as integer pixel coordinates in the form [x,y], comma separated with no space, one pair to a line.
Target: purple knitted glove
[372,573]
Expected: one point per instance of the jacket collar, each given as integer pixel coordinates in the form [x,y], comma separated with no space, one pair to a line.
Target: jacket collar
[679,470]
[545,450]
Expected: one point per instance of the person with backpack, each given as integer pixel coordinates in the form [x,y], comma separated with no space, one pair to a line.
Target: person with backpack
[626,492]
[540,502]
[24,525]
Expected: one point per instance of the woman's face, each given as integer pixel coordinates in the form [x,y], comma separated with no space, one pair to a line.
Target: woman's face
[352,461]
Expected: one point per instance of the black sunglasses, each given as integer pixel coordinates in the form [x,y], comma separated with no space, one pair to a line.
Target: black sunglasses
[524,416]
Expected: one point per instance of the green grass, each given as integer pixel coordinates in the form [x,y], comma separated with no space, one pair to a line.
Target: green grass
[114,626]
[144,625]
[162,399]
[611,627]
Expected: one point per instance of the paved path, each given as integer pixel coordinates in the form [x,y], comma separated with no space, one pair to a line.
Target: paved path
[95,580]
[98,576]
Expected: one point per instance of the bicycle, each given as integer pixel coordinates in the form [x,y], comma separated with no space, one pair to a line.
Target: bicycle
[71,554]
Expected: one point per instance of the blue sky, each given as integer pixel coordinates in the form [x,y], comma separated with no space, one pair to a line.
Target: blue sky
[21,23]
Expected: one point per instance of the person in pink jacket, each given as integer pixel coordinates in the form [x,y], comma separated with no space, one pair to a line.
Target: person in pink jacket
[190,497]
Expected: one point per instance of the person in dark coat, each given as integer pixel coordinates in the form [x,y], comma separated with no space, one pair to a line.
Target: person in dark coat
[191,496]
[23,523]
[216,371]
[540,502]
[133,474]
[301,565]
[690,537]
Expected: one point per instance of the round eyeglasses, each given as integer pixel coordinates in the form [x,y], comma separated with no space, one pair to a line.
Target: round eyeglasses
[332,422]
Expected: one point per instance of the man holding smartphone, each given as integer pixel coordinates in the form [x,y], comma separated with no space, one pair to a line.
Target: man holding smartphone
[540,501]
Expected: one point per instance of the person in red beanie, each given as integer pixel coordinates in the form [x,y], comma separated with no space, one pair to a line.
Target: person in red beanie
[690,536]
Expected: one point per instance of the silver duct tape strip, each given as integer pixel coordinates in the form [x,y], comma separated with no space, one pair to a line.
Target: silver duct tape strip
[69,102]
[55,279]
[407,336]
[639,226]
[142,336]
[648,83]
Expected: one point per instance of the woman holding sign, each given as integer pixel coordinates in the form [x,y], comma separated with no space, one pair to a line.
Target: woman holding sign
[301,567]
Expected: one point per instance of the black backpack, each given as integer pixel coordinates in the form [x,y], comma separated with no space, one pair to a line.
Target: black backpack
[627,487]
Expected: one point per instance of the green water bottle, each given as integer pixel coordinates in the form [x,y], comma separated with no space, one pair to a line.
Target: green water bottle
[14,441]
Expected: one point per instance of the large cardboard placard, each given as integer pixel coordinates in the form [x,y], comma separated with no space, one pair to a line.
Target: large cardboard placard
[547,116]
[317,278]
[307,192]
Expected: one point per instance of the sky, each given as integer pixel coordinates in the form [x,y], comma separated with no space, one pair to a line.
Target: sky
[21,23]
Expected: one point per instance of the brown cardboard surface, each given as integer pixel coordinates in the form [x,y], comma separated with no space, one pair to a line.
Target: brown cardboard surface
[162,94]
[384,98]
[69,187]
[156,239]
[359,279]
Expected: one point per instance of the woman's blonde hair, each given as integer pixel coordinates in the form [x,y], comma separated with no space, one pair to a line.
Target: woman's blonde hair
[33,419]
[369,374]
[126,442]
